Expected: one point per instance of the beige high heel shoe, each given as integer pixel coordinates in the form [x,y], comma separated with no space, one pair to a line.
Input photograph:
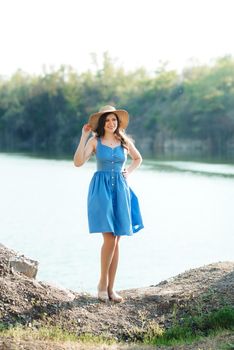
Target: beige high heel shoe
[113,296]
[102,295]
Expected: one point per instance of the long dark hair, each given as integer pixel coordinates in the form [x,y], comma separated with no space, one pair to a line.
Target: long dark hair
[100,131]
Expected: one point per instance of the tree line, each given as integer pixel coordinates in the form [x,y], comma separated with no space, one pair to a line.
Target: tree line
[45,113]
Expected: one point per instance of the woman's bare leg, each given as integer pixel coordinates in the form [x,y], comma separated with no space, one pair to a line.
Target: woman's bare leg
[113,267]
[107,253]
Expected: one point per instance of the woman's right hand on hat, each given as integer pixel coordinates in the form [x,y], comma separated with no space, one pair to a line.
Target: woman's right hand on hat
[86,129]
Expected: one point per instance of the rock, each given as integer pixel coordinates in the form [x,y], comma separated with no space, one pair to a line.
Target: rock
[12,262]
[24,265]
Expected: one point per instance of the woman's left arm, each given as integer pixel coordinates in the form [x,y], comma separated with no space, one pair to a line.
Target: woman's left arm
[136,159]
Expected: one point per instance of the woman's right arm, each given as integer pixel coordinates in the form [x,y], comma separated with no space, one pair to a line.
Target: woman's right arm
[84,150]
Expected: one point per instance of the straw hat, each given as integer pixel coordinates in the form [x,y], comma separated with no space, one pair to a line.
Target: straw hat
[121,113]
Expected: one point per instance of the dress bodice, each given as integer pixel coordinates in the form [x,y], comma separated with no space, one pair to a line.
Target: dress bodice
[110,159]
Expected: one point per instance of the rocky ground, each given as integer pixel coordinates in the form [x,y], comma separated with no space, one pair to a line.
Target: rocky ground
[26,301]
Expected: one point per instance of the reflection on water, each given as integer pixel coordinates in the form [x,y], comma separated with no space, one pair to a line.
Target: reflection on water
[212,169]
[188,219]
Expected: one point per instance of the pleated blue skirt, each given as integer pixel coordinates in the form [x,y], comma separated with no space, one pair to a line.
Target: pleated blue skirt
[112,205]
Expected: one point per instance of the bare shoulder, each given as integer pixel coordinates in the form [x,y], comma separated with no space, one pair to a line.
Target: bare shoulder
[130,145]
[93,139]
[133,151]
[92,142]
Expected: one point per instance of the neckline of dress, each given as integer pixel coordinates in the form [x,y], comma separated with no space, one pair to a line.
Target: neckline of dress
[109,146]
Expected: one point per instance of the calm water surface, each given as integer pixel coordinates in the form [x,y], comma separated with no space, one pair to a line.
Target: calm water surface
[187,209]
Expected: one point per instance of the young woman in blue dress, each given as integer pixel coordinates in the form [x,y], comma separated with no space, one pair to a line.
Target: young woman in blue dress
[113,208]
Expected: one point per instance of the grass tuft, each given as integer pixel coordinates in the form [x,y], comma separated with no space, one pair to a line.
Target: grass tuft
[51,333]
[196,327]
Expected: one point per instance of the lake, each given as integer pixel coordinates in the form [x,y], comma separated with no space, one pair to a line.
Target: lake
[187,209]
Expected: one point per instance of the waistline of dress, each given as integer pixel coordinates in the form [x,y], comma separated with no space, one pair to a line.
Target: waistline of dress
[109,171]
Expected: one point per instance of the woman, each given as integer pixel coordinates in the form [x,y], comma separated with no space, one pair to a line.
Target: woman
[113,208]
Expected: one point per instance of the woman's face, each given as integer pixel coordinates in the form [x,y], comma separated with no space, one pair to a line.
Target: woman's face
[111,123]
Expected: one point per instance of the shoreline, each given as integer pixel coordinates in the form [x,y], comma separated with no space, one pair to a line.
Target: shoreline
[26,302]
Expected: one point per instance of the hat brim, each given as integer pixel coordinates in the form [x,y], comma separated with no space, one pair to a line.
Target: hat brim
[121,113]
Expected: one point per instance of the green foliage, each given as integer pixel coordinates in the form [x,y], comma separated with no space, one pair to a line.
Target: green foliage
[194,327]
[54,333]
[3,327]
[45,114]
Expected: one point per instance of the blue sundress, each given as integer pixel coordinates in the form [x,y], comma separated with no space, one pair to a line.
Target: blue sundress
[112,205]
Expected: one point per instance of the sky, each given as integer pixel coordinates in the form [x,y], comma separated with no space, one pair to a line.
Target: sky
[135,33]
